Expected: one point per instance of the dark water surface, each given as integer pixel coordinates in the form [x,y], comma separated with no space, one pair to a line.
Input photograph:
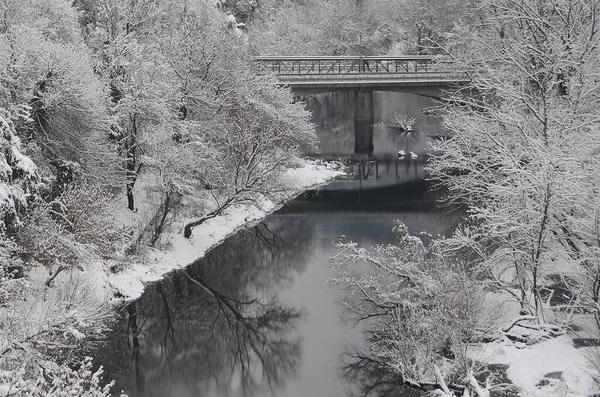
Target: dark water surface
[254,317]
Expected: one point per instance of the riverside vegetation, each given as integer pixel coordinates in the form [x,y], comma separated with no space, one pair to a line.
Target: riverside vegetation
[119,117]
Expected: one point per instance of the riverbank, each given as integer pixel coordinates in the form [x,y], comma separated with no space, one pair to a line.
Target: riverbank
[78,304]
[128,284]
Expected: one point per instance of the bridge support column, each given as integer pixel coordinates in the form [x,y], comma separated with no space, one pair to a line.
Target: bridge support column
[363,122]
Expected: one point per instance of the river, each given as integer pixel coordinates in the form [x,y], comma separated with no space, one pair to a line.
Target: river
[255,317]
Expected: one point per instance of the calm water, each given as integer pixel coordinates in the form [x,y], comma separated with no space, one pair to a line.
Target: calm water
[254,318]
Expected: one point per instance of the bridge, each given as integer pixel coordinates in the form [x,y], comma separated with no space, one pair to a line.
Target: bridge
[416,74]
[387,73]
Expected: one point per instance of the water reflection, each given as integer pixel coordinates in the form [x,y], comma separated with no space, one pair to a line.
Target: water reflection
[373,378]
[254,317]
[218,328]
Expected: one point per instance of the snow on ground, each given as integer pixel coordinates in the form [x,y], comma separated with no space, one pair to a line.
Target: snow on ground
[550,368]
[182,252]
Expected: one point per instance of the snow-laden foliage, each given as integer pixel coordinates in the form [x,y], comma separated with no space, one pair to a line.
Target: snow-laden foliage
[332,27]
[39,324]
[418,311]
[66,382]
[66,120]
[348,27]
[523,155]
[76,228]
[19,179]
[403,122]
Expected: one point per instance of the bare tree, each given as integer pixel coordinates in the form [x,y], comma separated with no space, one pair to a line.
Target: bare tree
[251,152]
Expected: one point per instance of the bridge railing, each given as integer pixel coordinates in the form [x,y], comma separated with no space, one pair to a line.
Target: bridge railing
[350,65]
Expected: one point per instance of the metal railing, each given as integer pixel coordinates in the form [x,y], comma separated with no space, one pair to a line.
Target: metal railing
[348,65]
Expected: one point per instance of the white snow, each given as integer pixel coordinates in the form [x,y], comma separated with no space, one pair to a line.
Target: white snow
[23,162]
[182,252]
[76,334]
[8,390]
[528,366]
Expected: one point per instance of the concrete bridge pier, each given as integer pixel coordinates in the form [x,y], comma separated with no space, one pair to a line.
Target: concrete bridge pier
[363,122]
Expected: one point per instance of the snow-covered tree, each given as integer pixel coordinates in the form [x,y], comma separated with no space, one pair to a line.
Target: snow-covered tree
[47,67]
[523,154]
[236,131]
[332,27]
[426,23]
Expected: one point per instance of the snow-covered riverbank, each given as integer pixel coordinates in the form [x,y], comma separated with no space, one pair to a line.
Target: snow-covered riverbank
[129,283]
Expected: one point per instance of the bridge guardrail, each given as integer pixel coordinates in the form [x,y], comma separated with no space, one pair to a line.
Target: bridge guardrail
[347,65]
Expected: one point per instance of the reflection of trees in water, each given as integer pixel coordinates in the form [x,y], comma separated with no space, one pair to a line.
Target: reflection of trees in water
[218,327]
[372,377]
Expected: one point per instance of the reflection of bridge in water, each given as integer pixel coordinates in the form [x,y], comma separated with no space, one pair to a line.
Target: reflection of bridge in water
[376,183]
[371,173]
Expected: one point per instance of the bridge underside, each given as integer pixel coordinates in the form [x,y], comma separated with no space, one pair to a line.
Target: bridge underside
[419,87]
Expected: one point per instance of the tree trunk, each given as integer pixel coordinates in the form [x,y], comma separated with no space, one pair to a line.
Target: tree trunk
[131,162]
[166,208]
[130,202]
[187,231]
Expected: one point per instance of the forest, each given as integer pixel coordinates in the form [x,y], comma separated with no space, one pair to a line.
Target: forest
[127,122]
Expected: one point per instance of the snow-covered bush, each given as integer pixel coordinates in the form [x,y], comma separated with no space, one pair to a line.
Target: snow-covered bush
[40,325]
[88,211]
[60,381]
[419,311]
[12,284]
[78,227]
